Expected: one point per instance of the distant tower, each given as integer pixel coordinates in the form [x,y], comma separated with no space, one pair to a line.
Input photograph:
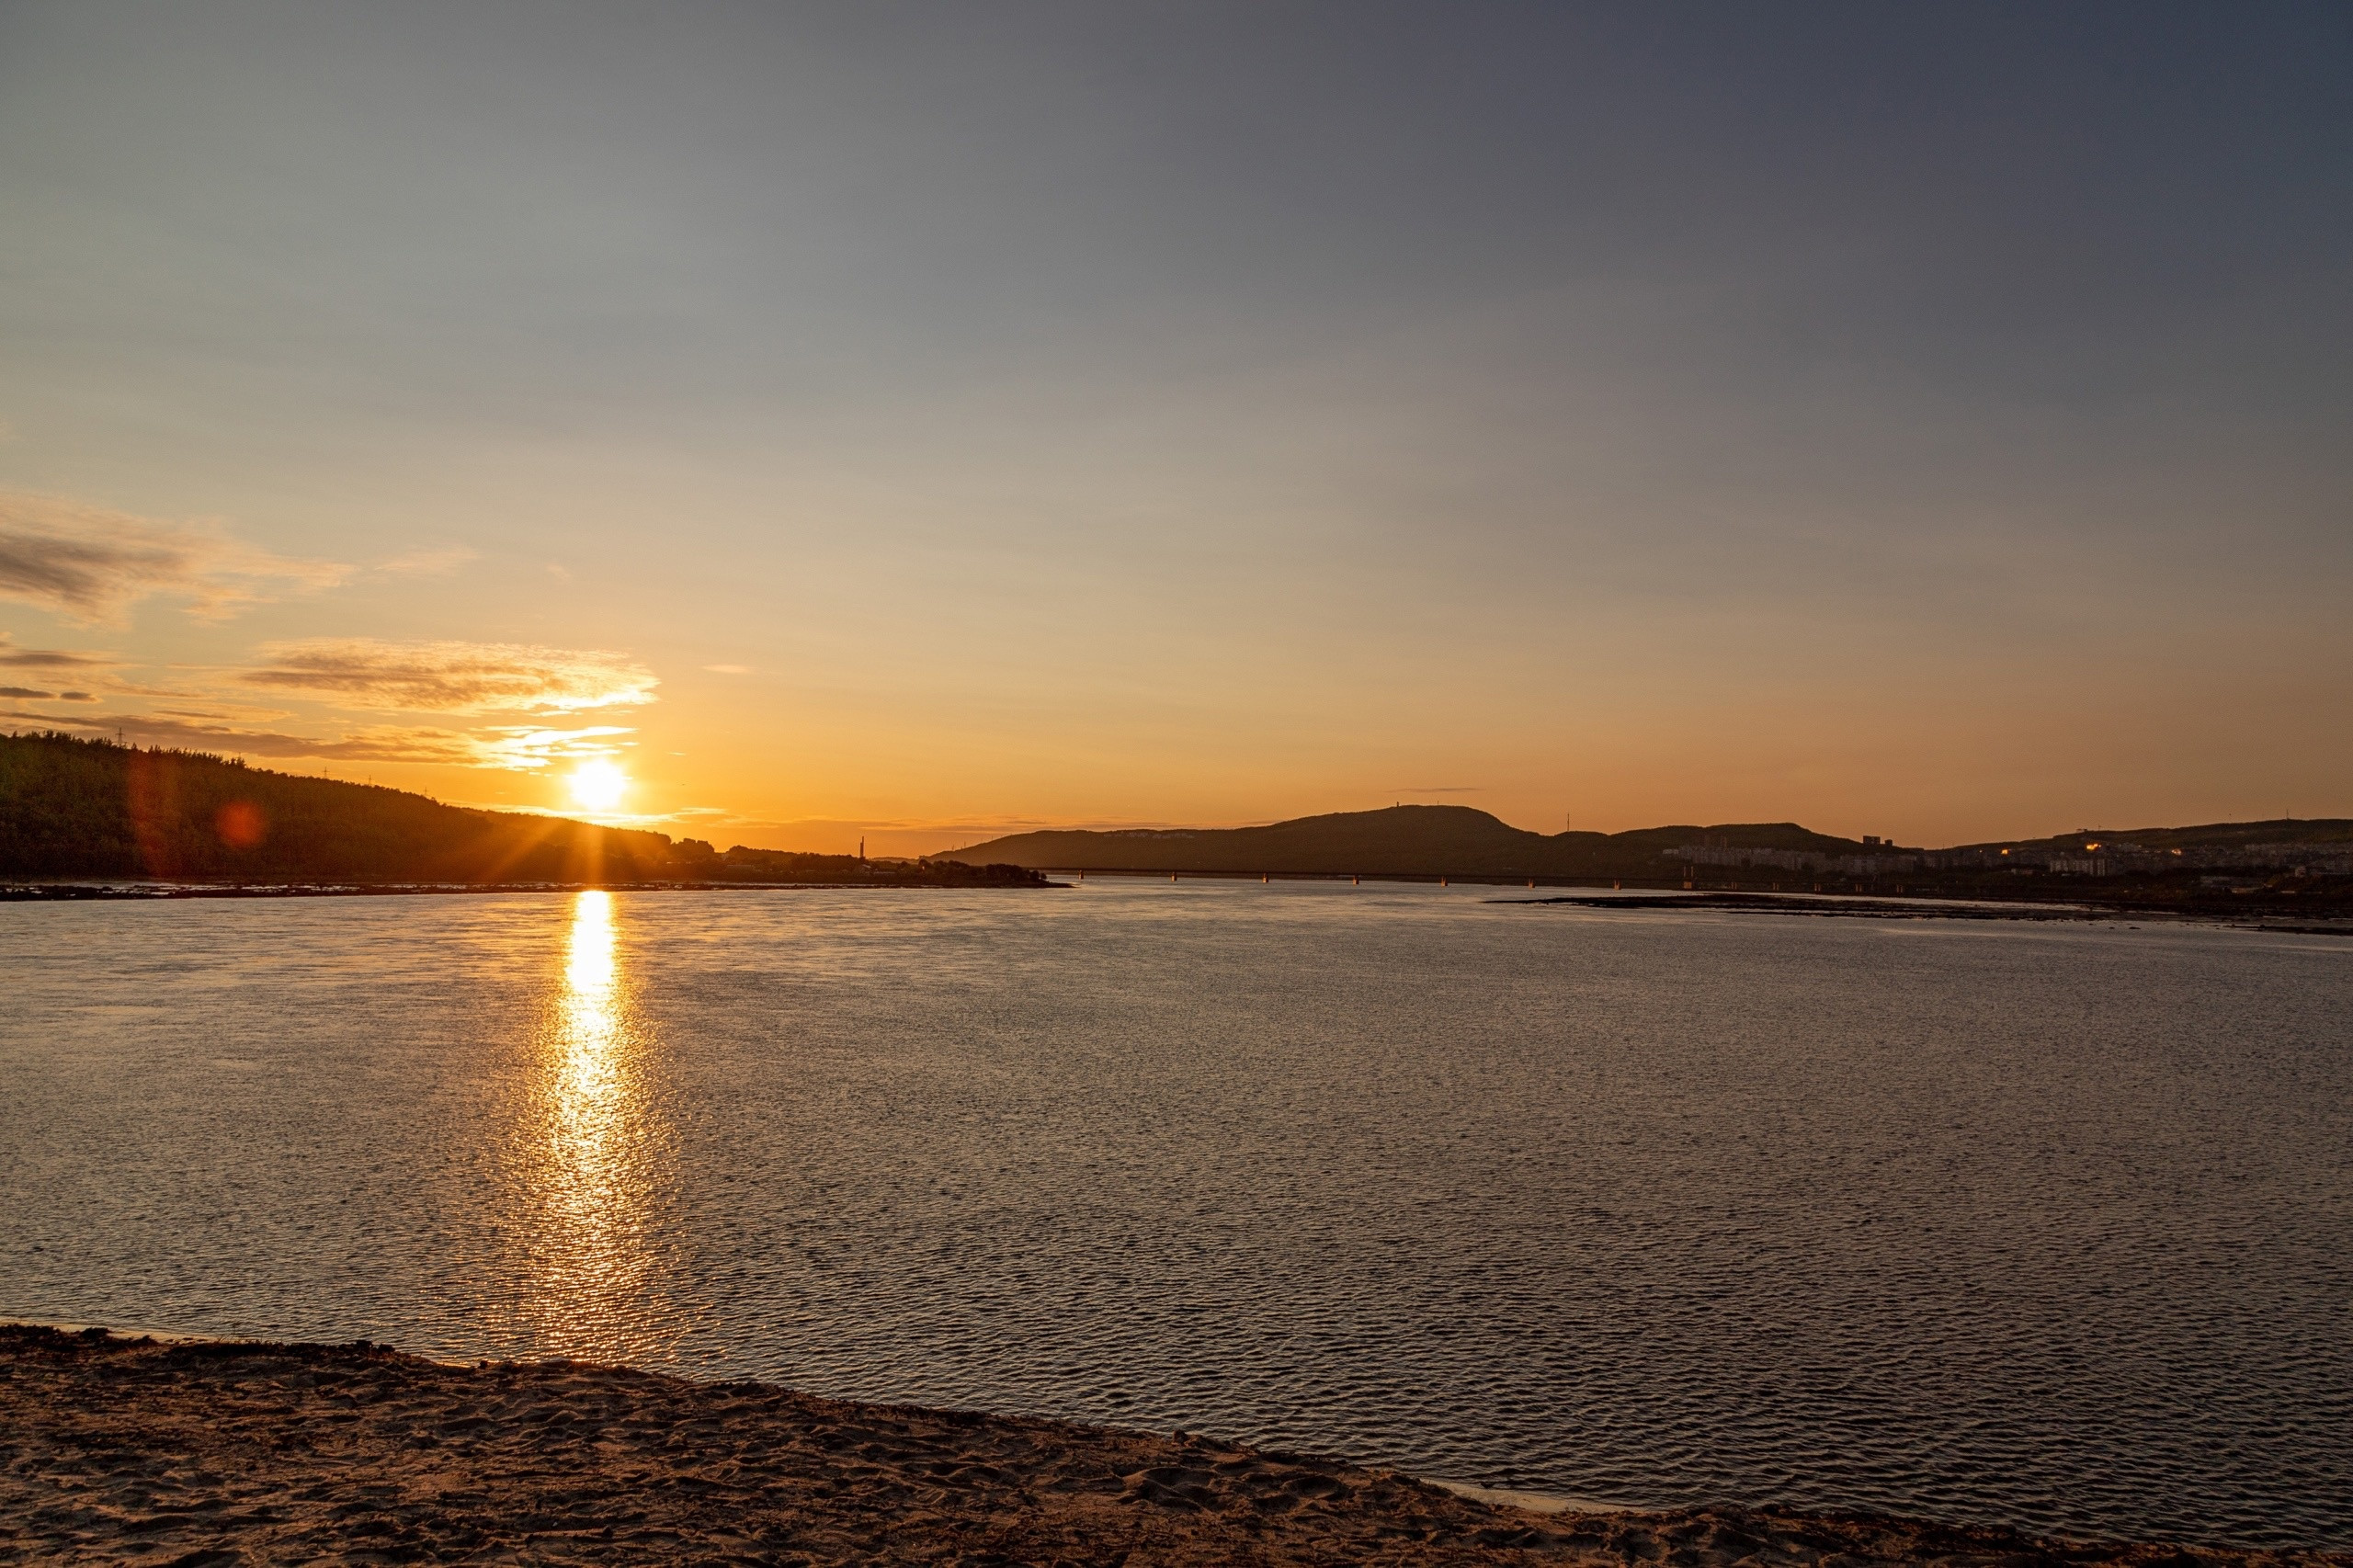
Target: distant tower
[861,847]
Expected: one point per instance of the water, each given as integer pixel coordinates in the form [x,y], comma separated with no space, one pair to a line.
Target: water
[2036,1224]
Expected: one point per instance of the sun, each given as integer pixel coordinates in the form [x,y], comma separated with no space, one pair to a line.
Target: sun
[598,786]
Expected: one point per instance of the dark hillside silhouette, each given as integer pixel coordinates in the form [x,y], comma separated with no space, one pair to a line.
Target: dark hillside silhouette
[2286,864]
[86,808]
[77,807]
[1413,841]
[83,809]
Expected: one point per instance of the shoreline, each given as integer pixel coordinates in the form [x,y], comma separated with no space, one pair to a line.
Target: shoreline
[1875,907]
[183,1449]
[1635,900]
[140,891]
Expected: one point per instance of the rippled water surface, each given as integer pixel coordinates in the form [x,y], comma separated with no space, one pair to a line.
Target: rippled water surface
[2042,1224]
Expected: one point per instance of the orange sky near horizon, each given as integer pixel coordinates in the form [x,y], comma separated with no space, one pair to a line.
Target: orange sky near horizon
[754,755]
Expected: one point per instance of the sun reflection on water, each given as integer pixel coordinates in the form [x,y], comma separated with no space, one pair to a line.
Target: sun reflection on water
[593,1161]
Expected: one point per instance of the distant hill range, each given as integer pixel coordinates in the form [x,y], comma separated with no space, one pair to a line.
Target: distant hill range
[1433,841]
[73,809]
[1417,841]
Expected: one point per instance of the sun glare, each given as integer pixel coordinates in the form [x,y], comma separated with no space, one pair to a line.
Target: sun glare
[598,786]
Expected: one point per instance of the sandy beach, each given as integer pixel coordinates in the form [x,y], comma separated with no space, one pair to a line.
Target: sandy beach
[135,1451]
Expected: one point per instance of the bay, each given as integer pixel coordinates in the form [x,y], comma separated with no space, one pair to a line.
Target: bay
[2040,1225]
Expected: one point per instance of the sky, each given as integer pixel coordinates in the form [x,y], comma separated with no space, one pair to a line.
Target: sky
[921,421]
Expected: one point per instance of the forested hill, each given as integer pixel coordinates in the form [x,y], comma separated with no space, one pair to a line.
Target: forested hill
[1393,840]
[77,807]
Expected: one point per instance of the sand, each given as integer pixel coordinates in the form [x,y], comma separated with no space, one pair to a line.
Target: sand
[133,1450]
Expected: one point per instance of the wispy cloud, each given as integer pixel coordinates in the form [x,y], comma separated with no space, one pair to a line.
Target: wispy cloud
[527,749]
[27,694]
[15,658]
[454,678]
[729,669]
[197,704]
[376,743]
[213,712]
[437,561]
[92,565]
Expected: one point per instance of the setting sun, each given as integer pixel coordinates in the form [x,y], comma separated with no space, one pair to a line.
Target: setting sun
[598,786]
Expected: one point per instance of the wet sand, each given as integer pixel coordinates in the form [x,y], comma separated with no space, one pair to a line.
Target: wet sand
[202,1452]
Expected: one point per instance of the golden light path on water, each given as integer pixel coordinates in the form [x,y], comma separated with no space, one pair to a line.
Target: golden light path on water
[592,1160]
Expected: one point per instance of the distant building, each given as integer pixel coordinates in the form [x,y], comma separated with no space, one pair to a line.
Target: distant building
[1795,860]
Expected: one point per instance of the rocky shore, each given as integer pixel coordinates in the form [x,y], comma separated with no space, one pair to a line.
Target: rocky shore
[183,1452]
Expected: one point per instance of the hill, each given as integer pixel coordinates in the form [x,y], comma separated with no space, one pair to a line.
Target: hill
[1413,841]
[2215,835]
[1457,841]
[89,809]
[77,807]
